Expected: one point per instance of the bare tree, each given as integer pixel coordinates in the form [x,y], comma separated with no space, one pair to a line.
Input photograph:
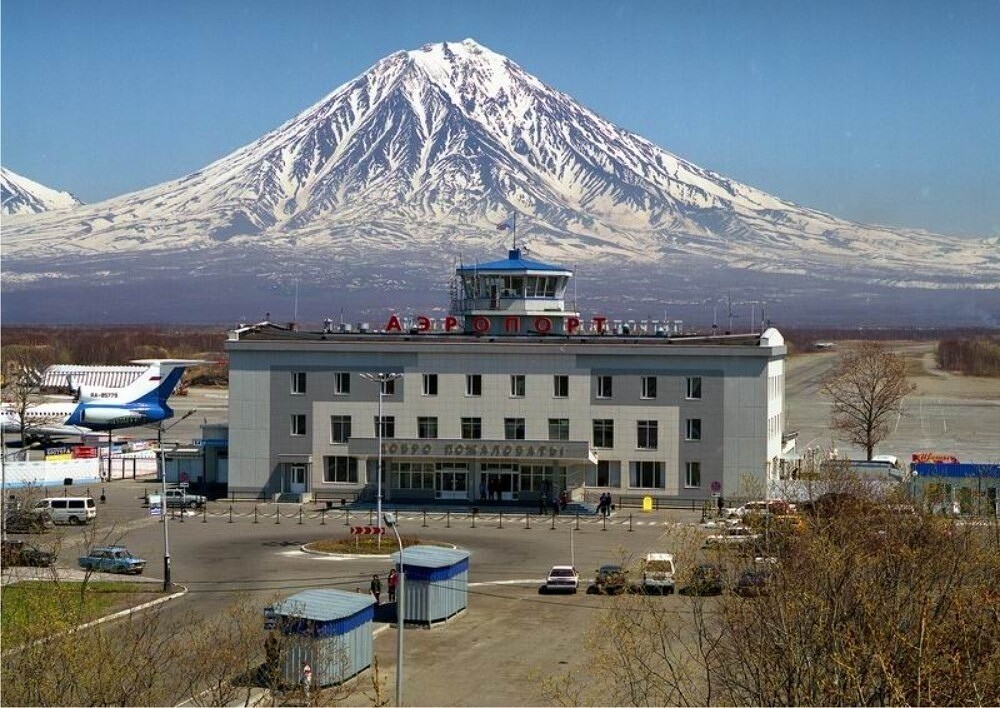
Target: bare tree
[867,388]
[23,366]
[869,606]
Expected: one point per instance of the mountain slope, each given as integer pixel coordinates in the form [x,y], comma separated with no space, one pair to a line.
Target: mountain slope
[418,158]
[20,195]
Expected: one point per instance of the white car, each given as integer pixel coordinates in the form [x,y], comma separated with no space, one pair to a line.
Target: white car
[562,578]
[732,536]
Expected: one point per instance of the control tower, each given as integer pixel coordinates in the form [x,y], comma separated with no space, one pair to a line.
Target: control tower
[516,296]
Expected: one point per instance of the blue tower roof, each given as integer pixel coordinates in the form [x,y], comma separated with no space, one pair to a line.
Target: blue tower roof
[513,263]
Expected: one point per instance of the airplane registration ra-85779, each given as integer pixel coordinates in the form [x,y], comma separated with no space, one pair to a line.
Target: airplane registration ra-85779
[142,402]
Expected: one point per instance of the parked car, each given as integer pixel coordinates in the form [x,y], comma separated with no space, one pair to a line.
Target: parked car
[562,578]
[16,552]
[610,580]
[67,510]
[658,573]
[754,581]
[707,579]
[28,522]
[177,498]
[732,537]
[112,559]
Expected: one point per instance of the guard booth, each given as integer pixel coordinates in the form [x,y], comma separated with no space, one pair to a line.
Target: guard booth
[331,630]
[436,583]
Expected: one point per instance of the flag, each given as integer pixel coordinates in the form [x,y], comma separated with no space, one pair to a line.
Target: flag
[507,223]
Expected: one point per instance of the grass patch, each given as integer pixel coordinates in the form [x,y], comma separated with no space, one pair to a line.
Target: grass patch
[34,609]
[363,545]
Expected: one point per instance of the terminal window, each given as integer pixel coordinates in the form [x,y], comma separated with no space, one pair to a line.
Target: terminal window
[430,385]
[604,433]
[517,386]
[558,428]
[647,434]
[298,383]
[341,469]
[474,385]
[604,387]
[560,386]
[692,474]
[342,383]
[648,387]
[513,428]
[646,474]
[298,424]
[472,428]
[694,387]
[340,428]
[388,426]
[427,427]
[693,431]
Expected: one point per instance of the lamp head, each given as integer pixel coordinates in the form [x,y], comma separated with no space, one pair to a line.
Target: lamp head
[389,518]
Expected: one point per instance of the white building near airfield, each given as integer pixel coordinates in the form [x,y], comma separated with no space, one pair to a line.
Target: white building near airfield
[510,396]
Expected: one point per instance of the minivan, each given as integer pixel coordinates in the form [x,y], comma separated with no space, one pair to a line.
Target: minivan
[67,510]
[658,573]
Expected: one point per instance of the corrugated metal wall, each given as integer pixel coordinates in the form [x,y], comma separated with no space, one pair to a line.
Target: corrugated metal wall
[104,376]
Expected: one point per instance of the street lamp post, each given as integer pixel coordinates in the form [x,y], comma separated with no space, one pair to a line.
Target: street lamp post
[390,521]
[163,499]
[163,509]
[382,378]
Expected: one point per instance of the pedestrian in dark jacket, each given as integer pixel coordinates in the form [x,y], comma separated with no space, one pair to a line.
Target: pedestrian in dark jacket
[376,588]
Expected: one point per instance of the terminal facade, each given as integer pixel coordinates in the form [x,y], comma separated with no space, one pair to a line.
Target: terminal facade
[512,397]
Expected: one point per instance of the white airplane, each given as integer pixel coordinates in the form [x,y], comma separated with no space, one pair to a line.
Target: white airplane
[95,408]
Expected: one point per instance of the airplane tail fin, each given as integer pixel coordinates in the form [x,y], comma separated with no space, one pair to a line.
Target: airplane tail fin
[159,380]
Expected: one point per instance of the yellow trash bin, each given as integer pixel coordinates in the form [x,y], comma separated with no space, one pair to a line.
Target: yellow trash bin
[647,503]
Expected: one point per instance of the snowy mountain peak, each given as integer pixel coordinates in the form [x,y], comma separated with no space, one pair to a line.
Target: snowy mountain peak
[20,195]
[418,159]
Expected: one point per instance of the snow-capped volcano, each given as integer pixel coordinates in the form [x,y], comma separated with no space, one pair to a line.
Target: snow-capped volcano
[20,195]
[416,161]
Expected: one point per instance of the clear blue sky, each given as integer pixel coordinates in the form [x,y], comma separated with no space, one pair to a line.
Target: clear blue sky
[875,110]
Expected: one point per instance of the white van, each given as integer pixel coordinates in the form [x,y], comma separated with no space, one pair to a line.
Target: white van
[67,510]
[658,573]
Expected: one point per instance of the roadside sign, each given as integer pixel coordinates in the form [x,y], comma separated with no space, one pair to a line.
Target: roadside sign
[716,486]
[155,510]
[270,618]
[366,530]
[183,485]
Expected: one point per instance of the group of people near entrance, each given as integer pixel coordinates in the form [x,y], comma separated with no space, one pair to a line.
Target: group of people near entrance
[604,504]
[489,490]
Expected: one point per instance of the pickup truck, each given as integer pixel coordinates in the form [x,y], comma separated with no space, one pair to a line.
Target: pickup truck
[177,498]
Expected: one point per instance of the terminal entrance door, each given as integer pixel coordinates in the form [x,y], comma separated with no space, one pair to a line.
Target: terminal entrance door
[451,482]
[502,480]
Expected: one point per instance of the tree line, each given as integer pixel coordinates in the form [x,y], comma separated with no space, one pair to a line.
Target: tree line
[39,347]
[979,356]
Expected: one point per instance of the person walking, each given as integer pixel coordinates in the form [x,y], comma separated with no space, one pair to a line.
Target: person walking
[393,581]
[307,678]
[376,588]
[482,489]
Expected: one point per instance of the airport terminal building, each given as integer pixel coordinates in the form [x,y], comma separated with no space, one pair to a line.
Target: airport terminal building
[511,396]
